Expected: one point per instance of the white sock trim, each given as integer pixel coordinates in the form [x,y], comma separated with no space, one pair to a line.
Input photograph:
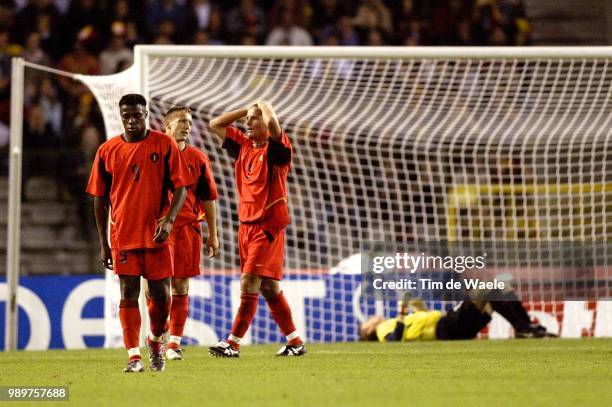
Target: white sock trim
[234,338]
[175,339]
[292,335]
[134,352]
[155,338]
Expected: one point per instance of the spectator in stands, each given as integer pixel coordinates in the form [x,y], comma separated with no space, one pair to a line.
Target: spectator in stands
[246,19]
[7,17]
[166,33]
[80,60]
[514,22]
[325,15]
[38,132]
[202,10]
[132,35]
[51,106]
[215,30]
[49,38]
[373,15]
[486,17]
[375,39]
[346,31]
[288,33]
[116,50]
[413,35]
[84,16]
[33,52]
[25,19]
[200,38]
[301,10]
[163,13]
[132,19]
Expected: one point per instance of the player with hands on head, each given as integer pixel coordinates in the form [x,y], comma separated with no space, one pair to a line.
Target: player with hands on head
[262,159]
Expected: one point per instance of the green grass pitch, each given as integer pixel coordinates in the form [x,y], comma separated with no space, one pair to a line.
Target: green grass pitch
[555,372]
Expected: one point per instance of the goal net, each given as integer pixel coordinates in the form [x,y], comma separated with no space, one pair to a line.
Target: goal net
[396,145]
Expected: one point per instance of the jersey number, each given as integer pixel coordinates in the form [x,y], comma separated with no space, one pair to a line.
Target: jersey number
[136,172]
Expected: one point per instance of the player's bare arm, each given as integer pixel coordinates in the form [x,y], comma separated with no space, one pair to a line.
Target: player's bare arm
[219,123]
[164,227]
[270,120]
[101,215]
[212,243]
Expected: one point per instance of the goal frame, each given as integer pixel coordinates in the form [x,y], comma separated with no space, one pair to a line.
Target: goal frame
[142,54]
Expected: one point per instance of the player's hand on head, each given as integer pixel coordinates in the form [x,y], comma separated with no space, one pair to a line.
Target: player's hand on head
[106,258]
[162,231]
[262,104]
[212,246]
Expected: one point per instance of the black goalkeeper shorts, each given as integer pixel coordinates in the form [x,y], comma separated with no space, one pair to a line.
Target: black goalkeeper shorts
[463,323]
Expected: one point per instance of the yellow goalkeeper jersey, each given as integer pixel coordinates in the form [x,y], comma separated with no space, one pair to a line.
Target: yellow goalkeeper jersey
[418,326]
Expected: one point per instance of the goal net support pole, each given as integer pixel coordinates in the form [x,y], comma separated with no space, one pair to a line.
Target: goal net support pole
[14,204]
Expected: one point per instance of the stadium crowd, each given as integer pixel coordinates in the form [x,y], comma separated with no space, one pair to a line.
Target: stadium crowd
[96,37]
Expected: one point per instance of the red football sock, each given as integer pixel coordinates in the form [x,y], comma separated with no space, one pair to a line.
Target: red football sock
[244,316]
[282,315]
[149,305]
[178,314]
[129,315]
[158,315]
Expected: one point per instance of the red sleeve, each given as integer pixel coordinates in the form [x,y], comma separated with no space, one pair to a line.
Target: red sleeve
[207,181]
[179,173]
[99,179]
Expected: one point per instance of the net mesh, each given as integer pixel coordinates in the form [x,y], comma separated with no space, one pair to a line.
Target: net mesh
[394,150]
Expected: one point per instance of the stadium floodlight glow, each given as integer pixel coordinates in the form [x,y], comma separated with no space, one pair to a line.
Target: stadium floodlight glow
[395,143]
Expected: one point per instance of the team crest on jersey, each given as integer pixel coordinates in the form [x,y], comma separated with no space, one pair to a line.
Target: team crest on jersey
[123,257]
[190,167]
[154,157]
[261,158]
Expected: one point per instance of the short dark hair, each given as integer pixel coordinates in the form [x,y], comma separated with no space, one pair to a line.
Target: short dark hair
[132,99]
[372,336]
[178,108]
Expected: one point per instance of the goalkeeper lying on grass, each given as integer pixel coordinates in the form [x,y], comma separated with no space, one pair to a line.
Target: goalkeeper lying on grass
[464,322]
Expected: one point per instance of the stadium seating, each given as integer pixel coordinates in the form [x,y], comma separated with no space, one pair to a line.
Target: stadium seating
[51,240]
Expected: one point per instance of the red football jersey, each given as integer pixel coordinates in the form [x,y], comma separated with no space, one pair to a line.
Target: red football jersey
[136,177]
[204,188]
[261,177]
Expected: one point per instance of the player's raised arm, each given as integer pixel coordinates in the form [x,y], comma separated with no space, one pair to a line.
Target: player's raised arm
[219,123]
[270,120]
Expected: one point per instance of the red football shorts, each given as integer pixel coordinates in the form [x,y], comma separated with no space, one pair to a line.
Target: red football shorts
[152,264]
[262,251]
[186,244]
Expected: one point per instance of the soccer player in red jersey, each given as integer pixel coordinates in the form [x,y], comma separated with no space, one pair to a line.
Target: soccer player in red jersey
[130,180]
[262,160]
[186,237]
